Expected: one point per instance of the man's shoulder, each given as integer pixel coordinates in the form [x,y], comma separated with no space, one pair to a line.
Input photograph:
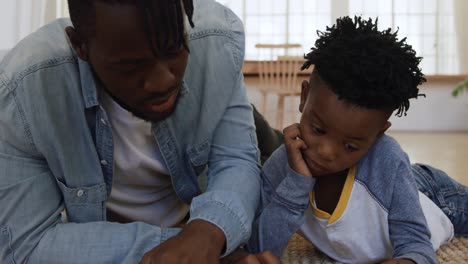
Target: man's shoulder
[383,167]
[46,47]
[212,18]
[217,44]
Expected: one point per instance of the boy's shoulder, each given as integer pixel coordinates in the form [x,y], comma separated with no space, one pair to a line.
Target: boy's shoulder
[386,151]
[384,167]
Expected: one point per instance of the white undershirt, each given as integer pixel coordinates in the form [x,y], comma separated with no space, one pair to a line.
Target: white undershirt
[142,189]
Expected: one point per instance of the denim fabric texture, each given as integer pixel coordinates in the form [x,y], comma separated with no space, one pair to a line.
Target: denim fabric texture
[446,193]
[56,148]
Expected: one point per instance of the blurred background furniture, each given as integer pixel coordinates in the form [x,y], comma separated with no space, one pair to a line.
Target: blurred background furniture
[278,66]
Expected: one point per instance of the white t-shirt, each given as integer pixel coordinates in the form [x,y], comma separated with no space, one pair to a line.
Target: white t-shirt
[358,232]
[142,189]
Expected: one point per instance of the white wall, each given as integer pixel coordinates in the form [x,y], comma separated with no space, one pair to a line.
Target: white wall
[439,111]
[18,18]
[2,53]
[8,26]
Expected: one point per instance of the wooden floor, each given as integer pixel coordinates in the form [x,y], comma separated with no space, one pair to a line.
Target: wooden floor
[445,150]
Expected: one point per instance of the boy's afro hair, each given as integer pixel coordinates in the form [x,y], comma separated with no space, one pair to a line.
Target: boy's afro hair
[365,66]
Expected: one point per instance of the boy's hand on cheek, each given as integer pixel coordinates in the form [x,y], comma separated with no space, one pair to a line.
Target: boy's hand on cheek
[294,147]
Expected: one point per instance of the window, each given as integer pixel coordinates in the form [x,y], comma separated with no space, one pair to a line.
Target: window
[427,24]
[62,8]
[280,21]
[18,18]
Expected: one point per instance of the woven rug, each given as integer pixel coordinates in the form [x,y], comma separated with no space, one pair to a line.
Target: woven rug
[300,251]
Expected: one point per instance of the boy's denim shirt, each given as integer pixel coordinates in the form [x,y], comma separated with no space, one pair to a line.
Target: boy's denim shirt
[56,148]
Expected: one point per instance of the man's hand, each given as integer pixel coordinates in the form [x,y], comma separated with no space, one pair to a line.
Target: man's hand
[398,261]
[199,242]
[294,147]
[242,257]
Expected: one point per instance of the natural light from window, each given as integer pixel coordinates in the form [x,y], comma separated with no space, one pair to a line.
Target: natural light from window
[428,24]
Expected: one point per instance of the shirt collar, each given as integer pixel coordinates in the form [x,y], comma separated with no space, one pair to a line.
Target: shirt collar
[88,84]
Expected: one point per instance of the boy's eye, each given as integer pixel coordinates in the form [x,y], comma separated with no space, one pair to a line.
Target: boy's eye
[350,147]
[318,130]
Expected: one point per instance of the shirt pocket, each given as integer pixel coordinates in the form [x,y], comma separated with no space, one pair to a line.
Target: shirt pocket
[84,204]
[198,156]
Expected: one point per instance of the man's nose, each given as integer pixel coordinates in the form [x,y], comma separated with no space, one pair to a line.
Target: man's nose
[160,79]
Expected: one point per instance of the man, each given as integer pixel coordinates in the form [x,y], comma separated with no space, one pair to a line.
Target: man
[105,126]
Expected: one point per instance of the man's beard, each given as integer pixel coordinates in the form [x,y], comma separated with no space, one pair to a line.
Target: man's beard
[125,106]
[138,114]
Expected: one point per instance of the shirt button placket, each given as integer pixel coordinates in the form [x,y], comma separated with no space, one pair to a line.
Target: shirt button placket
[79,193]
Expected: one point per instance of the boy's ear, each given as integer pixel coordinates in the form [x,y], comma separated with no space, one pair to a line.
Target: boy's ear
[78,43]
[304,94]
[385,127]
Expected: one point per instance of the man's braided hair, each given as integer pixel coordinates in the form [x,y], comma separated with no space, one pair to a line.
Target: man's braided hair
[163,19]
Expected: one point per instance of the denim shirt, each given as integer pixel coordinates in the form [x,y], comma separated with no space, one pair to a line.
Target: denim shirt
[56,148]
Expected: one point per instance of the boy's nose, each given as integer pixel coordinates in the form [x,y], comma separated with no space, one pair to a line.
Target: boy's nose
[327,151]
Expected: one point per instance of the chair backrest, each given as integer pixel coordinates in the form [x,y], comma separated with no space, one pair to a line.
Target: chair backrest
[278,66]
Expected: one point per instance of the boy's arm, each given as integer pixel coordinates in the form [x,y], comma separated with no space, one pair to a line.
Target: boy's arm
[408,229]
[284,198]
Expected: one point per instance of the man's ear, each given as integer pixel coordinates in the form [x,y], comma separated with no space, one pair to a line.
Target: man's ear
[78,43]
[304,94]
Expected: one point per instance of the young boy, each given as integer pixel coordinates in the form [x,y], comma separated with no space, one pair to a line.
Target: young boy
[342,182]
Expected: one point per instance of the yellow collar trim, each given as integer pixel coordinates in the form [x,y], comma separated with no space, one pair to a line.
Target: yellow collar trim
[342,202]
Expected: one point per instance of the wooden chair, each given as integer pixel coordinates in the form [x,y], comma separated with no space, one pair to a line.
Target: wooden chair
[278,66]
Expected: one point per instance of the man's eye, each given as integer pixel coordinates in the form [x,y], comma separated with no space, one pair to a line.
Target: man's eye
[351,148]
